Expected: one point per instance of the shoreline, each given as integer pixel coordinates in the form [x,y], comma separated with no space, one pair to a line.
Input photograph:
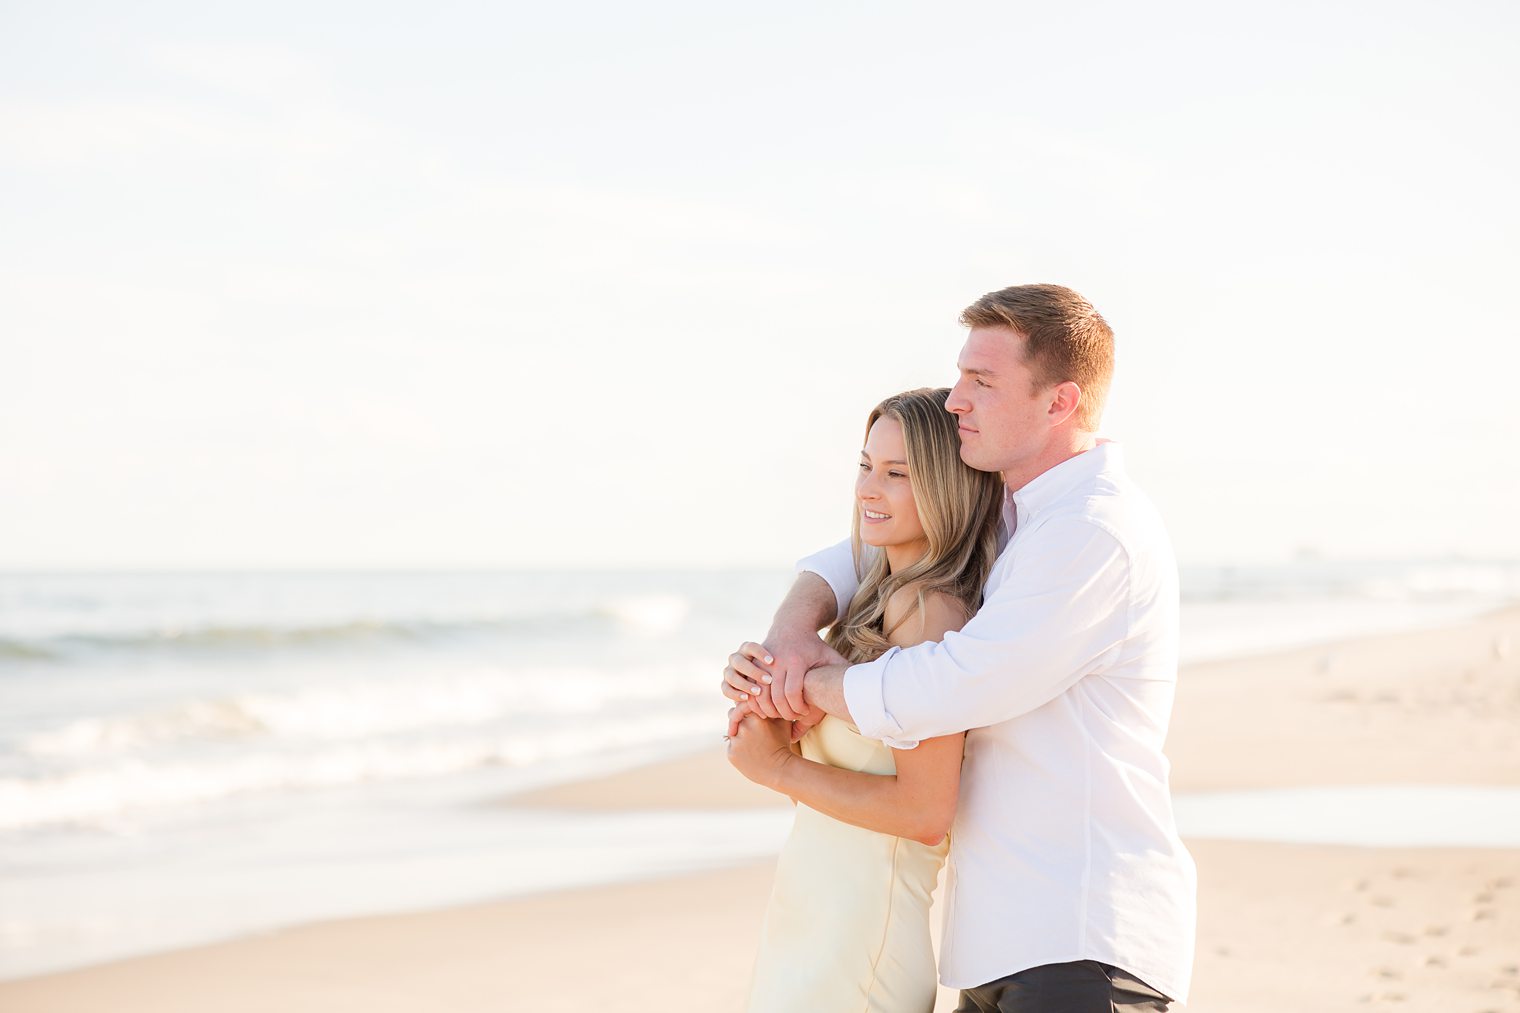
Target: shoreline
[1437,925]
[1379,926]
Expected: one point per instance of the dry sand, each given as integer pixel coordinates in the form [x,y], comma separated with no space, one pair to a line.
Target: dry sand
[1281,926]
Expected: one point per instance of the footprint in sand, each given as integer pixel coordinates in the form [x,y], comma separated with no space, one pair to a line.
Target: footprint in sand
[1389,973]
[1468,951]
[1402,938]
[1483,914]
[1433,961]
[1382,901]
[1436,930]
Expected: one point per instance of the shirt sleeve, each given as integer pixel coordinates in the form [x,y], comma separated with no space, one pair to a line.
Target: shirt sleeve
[835,564]
[1060,612]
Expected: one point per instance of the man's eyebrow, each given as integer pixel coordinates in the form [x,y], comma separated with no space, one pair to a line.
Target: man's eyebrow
[977,371]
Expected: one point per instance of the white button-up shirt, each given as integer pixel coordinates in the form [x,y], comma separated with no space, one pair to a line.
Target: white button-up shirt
[1064,846]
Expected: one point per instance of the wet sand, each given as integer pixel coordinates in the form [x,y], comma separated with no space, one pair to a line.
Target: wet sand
[1281,926]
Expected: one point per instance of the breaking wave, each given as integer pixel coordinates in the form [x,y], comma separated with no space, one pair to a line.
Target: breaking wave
[631,615]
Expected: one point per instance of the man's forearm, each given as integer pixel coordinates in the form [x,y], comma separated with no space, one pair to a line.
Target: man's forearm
[824,688]
[793,645]
[808,607]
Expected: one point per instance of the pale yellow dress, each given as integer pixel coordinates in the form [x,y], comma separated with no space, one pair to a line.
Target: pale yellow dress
[847,928]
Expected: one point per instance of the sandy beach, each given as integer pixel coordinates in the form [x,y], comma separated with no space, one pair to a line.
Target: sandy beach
[1282,926]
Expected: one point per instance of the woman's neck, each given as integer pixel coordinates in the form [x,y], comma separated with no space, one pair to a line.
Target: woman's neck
[900,557]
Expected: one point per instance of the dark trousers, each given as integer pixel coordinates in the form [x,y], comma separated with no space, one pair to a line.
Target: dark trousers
[1083,986]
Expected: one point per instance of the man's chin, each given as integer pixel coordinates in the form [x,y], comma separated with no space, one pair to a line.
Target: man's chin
[971,459]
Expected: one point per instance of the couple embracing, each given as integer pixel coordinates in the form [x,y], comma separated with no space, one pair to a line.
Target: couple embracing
[995,684]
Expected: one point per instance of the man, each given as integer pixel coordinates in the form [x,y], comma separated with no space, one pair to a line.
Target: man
[1068,889]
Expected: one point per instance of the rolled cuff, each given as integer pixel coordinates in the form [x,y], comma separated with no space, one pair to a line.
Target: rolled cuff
[868,708]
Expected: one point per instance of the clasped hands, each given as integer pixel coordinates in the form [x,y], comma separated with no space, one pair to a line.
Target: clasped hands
[769,682]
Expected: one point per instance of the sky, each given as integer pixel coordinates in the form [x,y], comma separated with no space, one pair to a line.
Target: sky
[609,285]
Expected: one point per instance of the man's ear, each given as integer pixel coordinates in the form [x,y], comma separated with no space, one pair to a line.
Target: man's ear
[1064,401]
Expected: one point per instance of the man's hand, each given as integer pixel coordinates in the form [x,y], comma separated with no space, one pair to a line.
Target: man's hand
[771,682]
[760,749]
[769,677]
[798,728]
[794,654]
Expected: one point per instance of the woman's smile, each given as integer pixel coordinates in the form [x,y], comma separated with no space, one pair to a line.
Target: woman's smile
[884,495]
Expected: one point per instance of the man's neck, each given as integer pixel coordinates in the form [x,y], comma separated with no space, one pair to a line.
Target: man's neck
[1058,452]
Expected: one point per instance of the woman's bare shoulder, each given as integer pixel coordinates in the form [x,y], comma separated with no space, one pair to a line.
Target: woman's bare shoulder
[941,613]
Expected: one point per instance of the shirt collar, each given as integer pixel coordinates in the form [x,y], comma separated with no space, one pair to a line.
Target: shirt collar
[1051,487]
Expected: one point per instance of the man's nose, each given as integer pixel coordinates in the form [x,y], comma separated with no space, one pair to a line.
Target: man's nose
[956,403]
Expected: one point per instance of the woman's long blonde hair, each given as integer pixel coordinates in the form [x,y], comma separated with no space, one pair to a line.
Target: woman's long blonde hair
[959,508]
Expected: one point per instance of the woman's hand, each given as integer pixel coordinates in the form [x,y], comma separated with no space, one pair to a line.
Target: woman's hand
[745,678]
[799,728]
[771,683]
[760,748]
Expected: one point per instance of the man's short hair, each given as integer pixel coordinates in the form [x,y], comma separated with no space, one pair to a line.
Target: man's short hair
[1065,338]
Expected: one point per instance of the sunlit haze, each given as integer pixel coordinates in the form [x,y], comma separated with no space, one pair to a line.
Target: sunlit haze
[610,285]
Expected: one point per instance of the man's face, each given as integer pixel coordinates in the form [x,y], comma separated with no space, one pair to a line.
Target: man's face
[1004,423]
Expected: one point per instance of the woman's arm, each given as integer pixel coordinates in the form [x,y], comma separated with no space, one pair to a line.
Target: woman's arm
[917,802]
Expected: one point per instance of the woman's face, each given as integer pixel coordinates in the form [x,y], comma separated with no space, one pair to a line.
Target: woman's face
[884,494]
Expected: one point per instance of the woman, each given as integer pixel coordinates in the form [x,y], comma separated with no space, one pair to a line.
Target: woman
[847,928]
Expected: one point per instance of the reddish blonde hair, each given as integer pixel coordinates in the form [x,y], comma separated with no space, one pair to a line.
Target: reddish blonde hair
[1065,339]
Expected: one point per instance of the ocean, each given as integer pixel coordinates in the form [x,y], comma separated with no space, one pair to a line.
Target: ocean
[191,756]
